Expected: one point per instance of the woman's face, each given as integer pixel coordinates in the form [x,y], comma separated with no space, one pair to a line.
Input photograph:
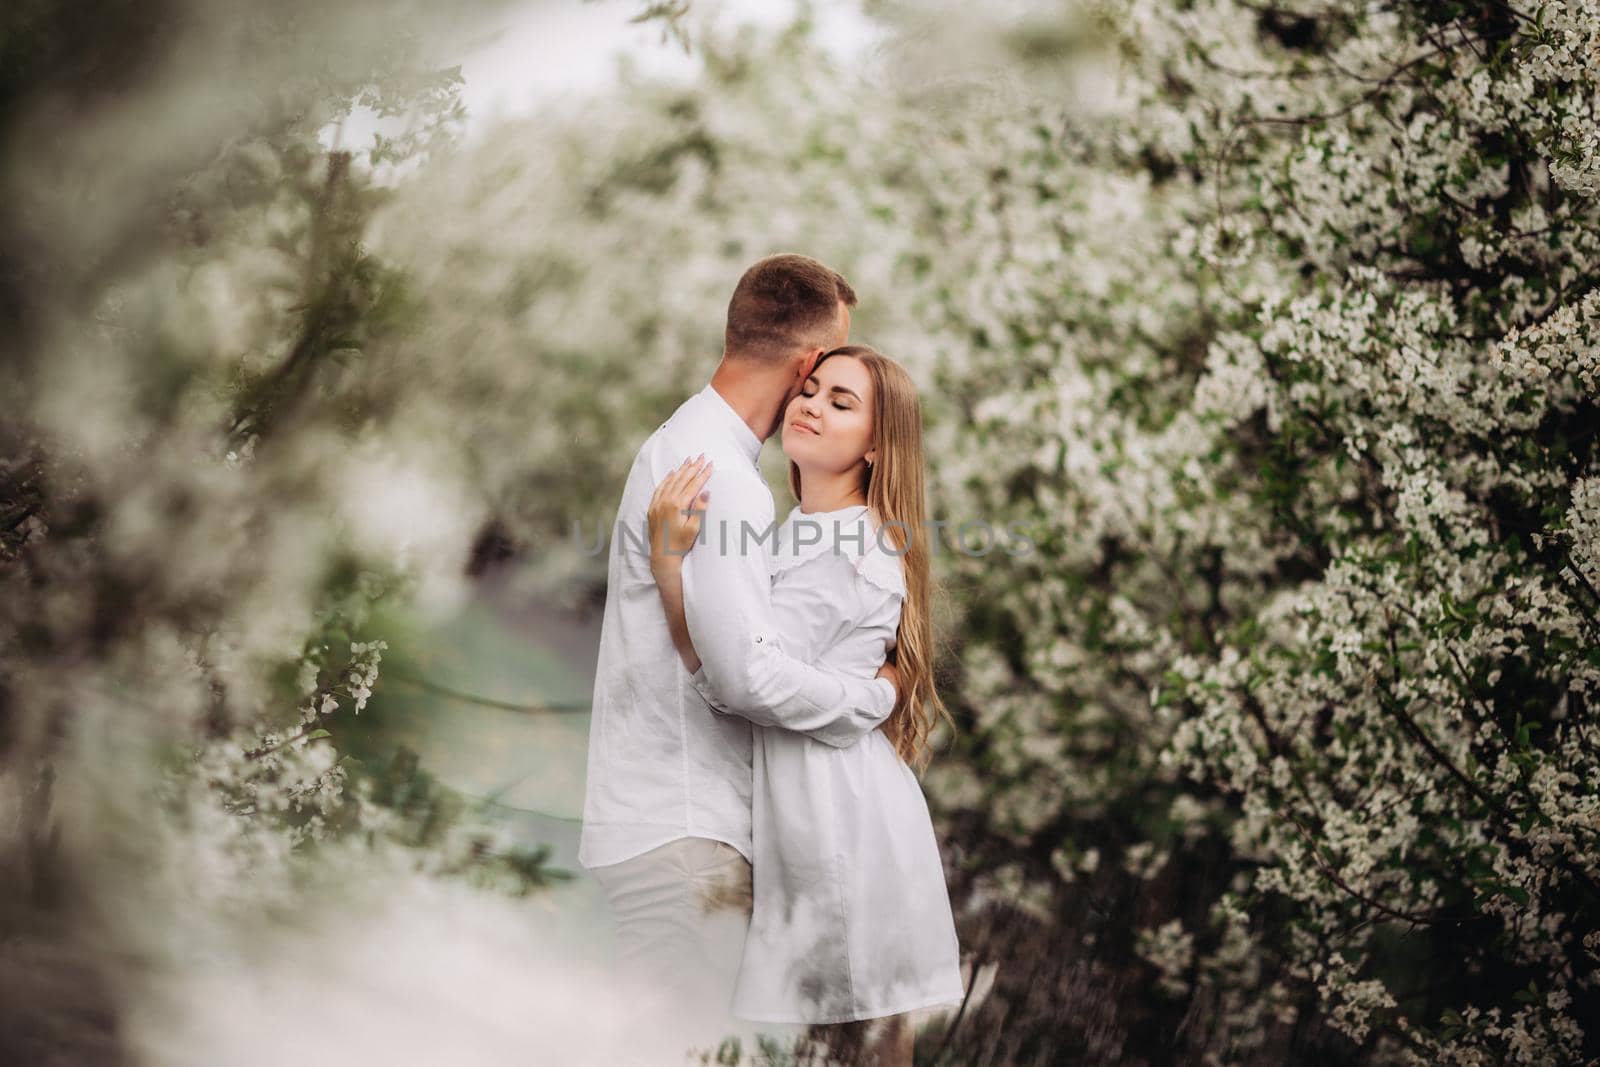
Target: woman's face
[829,425]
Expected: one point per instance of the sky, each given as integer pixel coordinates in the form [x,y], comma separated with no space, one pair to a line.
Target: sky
[539,52]
[543,49]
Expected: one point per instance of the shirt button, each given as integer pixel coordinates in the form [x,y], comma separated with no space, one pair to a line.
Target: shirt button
[758,639]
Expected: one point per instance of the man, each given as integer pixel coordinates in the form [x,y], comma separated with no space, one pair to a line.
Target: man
[666,816]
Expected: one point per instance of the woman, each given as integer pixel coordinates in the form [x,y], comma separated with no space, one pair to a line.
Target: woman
[851,918]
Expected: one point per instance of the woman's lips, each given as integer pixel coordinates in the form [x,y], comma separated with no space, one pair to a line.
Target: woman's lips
[803,427]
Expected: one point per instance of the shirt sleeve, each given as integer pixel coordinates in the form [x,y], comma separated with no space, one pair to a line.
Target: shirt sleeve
[867,636]
[727,601]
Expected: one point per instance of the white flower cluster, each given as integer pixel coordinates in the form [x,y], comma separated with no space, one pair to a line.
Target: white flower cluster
[1170,949]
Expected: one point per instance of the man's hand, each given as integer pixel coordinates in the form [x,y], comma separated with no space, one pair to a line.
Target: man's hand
[888,671]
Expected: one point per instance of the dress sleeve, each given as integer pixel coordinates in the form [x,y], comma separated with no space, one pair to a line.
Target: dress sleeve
[727,599]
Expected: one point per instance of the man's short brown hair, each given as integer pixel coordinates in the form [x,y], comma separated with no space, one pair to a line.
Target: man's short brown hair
[782,303]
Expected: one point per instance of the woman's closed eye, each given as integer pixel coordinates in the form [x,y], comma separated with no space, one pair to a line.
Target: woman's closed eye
[837,404]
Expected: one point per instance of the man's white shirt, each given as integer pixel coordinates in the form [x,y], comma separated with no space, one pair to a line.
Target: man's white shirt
[663,762]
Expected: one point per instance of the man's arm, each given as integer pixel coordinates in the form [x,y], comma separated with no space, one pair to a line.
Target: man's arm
[727,598]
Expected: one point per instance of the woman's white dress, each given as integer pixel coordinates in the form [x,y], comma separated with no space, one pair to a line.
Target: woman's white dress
[851,917]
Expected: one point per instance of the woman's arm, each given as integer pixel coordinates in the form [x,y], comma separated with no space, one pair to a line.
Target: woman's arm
[669,581]
[676,508]
[726,598]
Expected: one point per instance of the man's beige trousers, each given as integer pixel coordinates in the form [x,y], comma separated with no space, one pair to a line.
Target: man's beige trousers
[681,912]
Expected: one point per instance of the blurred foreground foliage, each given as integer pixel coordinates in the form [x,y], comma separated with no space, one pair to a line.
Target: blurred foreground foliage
[194,452]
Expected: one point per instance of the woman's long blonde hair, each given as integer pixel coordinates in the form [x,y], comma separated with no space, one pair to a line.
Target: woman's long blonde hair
[897,500]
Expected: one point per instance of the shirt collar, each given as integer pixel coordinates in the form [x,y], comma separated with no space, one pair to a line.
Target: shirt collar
[796,513]
[742,434]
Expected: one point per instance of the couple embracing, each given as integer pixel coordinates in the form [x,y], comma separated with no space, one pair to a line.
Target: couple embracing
[764,690]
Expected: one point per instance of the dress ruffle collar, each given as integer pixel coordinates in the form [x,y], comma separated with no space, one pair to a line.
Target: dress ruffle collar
[852,533]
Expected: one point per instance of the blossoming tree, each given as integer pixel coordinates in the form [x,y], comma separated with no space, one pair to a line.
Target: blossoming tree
[1311,645]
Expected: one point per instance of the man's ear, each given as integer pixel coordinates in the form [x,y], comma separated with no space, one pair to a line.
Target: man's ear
[806,364]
